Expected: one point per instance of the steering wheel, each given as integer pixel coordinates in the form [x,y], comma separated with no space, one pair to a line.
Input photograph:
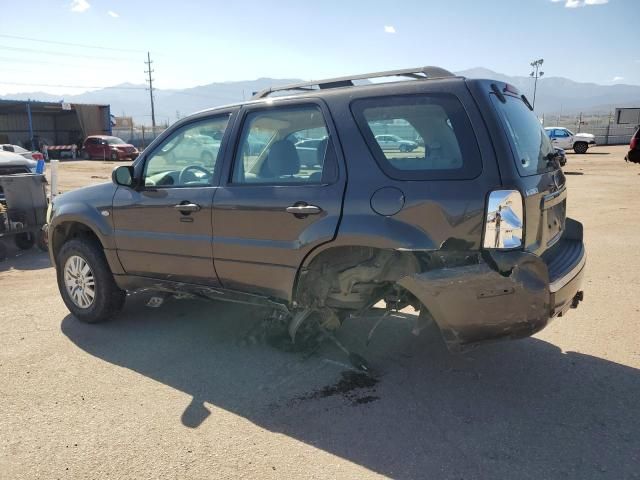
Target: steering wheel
[183,172]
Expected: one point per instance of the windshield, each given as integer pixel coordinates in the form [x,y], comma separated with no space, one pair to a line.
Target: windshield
[114,141]
[529,140]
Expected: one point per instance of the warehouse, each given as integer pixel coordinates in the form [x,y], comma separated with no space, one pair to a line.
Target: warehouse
[32,124]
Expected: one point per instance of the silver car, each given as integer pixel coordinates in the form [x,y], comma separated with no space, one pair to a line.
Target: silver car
[394,142]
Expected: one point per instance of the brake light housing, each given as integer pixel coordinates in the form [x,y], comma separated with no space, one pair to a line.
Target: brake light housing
[504,220]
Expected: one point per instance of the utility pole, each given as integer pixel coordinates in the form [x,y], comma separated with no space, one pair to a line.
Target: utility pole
[150,80]
[536,73]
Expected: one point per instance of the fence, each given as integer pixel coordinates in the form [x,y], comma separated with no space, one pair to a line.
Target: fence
[140,137]
[601,126]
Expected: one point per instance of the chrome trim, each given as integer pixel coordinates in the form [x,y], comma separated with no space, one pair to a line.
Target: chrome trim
[570,275]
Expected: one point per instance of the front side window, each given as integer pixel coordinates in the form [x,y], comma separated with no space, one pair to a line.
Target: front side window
[531,145]
[187,158]
[416,137]
[283,146]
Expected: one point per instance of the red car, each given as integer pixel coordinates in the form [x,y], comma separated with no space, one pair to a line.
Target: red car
[634,148]
[105,147]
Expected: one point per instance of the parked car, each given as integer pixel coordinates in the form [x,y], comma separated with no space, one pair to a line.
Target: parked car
[23,152]
[13,163]
[105,147]
[566,139]
[634,148]
[394,142]
[444,232]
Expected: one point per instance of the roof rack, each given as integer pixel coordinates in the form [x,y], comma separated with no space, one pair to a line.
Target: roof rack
[415,73]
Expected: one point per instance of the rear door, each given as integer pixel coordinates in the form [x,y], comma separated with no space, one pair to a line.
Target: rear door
[271,210]
[163,228]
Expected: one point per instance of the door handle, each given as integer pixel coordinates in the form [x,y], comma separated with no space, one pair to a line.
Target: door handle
[303,210]
[187,207]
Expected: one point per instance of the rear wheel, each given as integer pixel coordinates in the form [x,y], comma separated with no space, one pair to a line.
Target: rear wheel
[86,282]
[85,155]
[580,147]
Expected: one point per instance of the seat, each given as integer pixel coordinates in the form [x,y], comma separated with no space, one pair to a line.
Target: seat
[282,161]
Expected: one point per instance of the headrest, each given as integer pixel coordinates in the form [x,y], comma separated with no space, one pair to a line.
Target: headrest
[283,159]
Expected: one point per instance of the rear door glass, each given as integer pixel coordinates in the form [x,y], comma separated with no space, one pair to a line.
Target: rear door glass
[530,144]
[419,137]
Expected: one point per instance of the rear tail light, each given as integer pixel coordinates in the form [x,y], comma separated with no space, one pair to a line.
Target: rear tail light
[37,156]
[504,221]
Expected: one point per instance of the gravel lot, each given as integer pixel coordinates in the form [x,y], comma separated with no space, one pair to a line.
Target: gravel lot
[184,391]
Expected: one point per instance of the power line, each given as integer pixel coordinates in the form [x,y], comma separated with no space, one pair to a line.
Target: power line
[68,86]
[69,44]
[150,71]
[82,65]
[49,52]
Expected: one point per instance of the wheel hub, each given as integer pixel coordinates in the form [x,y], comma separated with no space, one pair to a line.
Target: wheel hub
[79,281]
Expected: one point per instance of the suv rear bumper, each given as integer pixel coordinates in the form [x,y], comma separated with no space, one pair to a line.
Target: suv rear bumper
[512,294]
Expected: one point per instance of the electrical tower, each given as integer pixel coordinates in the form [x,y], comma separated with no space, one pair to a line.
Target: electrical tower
[150,80]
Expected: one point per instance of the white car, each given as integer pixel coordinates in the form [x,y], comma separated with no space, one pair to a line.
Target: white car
[23,152]
[566,139]
[394,142]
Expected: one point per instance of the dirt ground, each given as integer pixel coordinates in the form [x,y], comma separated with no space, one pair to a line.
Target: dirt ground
[184,391]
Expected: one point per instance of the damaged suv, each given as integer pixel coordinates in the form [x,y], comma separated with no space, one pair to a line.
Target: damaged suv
[468,226]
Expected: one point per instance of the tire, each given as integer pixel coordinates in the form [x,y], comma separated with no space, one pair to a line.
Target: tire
[85,155]
[25,241]
[404,148]
[107,299]
[580,147]
[114,156]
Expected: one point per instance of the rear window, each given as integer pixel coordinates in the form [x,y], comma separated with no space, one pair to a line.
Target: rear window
[530,144]
[419,137]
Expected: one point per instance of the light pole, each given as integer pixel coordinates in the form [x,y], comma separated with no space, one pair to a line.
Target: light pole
[536,73]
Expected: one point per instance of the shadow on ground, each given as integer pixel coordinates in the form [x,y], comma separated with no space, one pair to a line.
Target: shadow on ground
[32,259]
[520,409]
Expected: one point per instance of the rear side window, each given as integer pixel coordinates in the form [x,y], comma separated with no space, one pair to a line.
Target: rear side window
[531,145]
[282,146]
[419,137]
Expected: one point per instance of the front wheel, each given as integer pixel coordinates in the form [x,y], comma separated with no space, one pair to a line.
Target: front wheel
[114,156]
[580,147]
[86,283]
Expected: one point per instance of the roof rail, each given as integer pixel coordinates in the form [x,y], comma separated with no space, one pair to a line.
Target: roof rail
[415,73]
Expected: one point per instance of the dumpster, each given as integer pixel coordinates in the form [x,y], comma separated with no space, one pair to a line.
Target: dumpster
[23,210]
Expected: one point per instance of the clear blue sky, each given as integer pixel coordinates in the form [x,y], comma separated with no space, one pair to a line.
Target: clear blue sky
[194,42]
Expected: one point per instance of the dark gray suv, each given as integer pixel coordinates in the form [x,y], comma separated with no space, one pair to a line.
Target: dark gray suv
[468,227]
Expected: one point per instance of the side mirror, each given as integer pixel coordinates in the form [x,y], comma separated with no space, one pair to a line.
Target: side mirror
[123,175]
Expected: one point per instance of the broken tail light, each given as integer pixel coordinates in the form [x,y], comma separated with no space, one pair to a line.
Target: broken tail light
[504,220]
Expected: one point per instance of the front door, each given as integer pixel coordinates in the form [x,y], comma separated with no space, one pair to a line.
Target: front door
[272,211]
[163,227]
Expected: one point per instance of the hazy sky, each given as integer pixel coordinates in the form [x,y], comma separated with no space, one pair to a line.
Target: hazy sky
[196,42]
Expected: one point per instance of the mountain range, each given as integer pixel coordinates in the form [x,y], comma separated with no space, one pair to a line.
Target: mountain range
[554,95]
